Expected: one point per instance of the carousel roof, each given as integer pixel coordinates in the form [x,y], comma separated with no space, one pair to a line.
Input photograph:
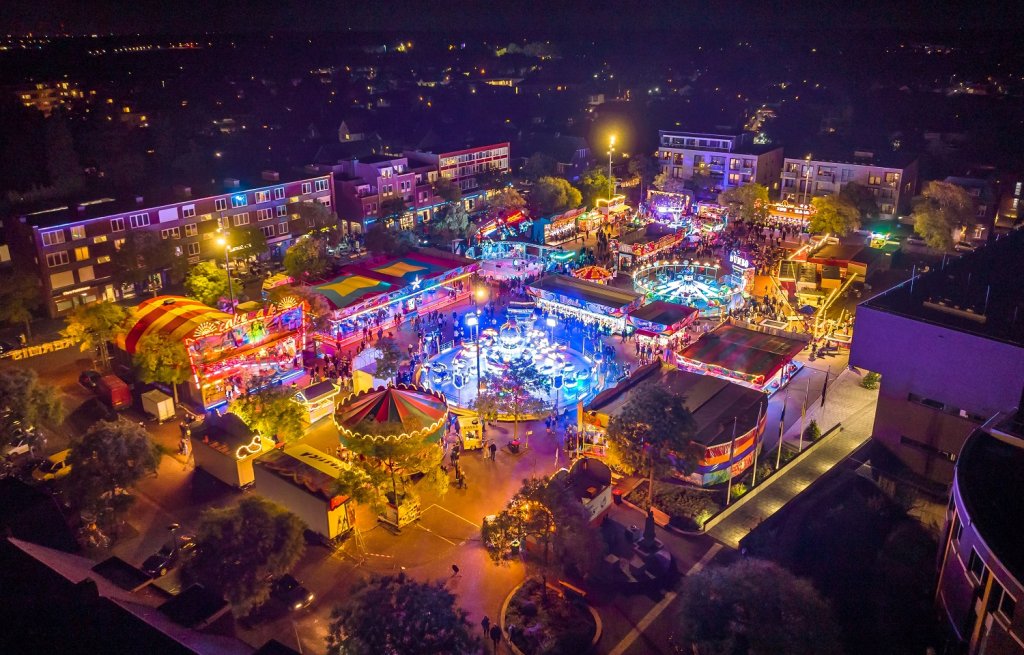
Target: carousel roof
[419,411]
[592,273]
[174,316]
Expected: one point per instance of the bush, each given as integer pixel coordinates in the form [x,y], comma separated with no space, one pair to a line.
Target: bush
[687,508]
[812,432]
[739,490]
[870,381]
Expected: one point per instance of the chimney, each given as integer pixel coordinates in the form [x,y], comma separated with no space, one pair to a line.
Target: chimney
[232,182]
[182,191]
[81,209]
[139,200]
[271,176]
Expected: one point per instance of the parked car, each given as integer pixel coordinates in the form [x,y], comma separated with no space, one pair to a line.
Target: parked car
[90,379]
[169,556]
[54,467]
[6,347]
[22,445]
[114,391]
[964,246]
[290,593]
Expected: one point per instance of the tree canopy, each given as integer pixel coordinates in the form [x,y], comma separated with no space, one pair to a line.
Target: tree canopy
[388,359]
[507,199]
[538,165]
[207,283]
[306,259]
[142,253]
[754,606]
[454,220]
[669,184]
[860,197]
[271,412]
[395,614]
[108,458]
[834,214]
[160,358]
[555,194]
[595,185]
[319,220]
[28,401]
[942,209]
[391,208]
[382,239]
[448,190]
[512,392]
[94,325]
[749,201]
[239,549]
[247,241]
[19,295]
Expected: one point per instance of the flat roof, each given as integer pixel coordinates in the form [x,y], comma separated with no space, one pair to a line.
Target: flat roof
[663,312]
[309,469]
[988,476]
[744,350]
[713,401]
[590,292]
[979,293]
[835,252]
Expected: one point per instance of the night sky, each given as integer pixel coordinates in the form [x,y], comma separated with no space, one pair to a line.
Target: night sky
[525,16]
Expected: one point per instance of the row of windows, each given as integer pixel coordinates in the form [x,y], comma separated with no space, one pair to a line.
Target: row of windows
[473,156]
[946,408]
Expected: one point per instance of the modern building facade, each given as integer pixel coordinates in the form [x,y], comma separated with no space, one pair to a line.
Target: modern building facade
[892,181]
[981,569]
[949,345]
[462,166]
[72,245]
[729,160]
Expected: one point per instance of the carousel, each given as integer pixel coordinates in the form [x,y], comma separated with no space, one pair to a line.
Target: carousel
[572,376]
[597,274]
[689,283]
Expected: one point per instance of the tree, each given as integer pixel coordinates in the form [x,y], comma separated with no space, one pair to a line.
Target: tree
[942,209]
[555,194]
[667,183]
[319,220]
[656,428]
[454,220]
[700,179]
[537,166]
[834,214]
[142,253]
[643,167]
[382,239]
[160,358]
[594,186]
[388,360]
[395,614]
[447,190]
[94,325]
[513,392]
[870,380]
[749,201]
[271,412]
[306,259]
[754,606]
[26,402]
[19,295]
[207,283]
[508,199]
[108,460]
[247,242]
[239,549]
[391,209]
[860,197]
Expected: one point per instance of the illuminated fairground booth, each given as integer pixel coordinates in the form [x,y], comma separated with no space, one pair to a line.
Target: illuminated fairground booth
[589,302]
[225,447]
[669,207]
[598,274]
[660,320]
[515,260]
[692,283]
[508,224]
[258,346]
[560,227]
[640,247]
[756,357]
[717,406]
[317,400]
[420,281]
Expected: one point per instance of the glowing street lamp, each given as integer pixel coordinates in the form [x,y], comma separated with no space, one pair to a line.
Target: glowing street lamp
[474,321]
[222,241]
[611,180]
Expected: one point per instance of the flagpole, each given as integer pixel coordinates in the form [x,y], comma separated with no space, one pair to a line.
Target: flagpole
[782,424]
[757,426]
[732,449]
[803,413]
[824,387]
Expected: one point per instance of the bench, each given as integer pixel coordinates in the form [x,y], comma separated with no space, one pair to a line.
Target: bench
[573,590]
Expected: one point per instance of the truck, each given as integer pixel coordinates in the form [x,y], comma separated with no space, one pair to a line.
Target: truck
[114,392]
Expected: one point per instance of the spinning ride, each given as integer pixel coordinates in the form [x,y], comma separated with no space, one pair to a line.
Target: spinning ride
[693,284]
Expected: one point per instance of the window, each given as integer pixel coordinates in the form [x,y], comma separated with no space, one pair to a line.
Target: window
[278,193]
[86,274]
[734,164]
[238,200]
[57,258]
[892,178]
[264,214]
[117,225]
[220,204]
[170,233]
[118,243]
[262,196]
[321,185]
[81,253]
[77,232]
[975,566]
[138,220]
[1007,604]
[193,248]
[191,230]
[267,231]
[240,219]
[874,179]
[188,211]
[307,187]
[282,228]
[53,238]
[282,210]
[103,259]
[326,202]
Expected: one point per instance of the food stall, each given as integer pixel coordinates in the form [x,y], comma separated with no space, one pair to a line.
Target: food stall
[586,301]
[317,400]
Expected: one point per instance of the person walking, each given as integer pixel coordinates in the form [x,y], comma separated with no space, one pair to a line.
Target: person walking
[496,636]
[493,450]
[486,623]
[455,570]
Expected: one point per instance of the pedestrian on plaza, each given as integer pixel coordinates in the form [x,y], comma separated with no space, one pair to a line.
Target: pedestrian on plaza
[455,570]
[493,450]
[486,623]
[496,636]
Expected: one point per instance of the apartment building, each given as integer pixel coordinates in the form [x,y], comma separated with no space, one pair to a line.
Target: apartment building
[949,345]
[463,165]
[47,96]
[892,180]
[729,160]
[981,569]
[72,245]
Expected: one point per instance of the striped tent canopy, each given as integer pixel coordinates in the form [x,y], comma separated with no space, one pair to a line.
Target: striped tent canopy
[421,413]
[593,273]
[176,317]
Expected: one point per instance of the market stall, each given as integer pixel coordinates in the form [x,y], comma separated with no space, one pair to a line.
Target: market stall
[661,320]
[717,405]
[226,448]
[560,227]
[586,301]
[317,400]
[597,274]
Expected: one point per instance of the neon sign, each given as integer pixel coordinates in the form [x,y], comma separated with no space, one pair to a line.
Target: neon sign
[738,260]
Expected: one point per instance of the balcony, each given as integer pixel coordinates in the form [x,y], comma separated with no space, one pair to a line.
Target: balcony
[790,175]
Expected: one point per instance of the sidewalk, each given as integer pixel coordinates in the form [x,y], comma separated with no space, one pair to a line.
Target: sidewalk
[848,404]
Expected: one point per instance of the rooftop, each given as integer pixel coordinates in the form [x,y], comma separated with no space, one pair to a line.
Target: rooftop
[980,293]
[747,351]
[587,292]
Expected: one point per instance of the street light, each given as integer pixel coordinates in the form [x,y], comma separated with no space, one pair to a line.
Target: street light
[611,180]
[227,266]
[807,180]
[473,321]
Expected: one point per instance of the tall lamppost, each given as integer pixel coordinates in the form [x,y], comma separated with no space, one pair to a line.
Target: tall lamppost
[611,180]
[473,321]
[807,180]
[227,266]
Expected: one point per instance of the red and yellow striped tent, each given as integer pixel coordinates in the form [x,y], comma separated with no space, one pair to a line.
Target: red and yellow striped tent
[174,316]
